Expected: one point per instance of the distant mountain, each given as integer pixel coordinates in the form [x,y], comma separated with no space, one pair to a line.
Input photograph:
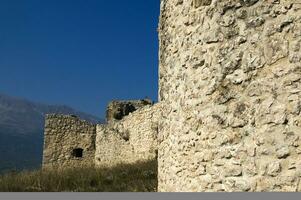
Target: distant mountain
[21,131]
[22,117]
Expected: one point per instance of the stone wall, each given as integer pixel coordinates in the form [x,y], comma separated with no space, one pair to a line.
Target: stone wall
[132,139]
[230,75]
[129,138]
[68,142]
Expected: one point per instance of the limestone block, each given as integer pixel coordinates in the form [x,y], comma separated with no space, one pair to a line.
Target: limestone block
[274,168]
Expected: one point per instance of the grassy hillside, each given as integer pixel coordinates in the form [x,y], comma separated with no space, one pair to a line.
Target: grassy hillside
[139,177]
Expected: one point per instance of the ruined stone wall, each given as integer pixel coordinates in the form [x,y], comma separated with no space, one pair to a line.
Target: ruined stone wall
[117,110]
[132,139]
[230,75]
[68,142]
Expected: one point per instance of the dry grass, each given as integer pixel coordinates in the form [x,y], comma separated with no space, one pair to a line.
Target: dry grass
[140,177]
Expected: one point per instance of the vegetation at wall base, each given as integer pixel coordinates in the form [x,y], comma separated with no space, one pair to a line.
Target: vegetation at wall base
[138,177]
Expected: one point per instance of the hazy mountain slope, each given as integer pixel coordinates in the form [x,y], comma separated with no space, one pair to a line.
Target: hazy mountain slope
[21,130]
[22,117]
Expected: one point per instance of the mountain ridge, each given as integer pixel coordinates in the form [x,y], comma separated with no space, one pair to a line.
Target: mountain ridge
[21,130]
[22,116]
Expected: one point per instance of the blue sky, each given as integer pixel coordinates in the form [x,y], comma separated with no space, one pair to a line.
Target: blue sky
[81,53]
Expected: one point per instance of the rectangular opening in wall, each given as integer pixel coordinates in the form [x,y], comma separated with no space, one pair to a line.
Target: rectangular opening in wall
[77,153]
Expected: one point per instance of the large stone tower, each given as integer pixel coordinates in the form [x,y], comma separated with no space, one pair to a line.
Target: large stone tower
[230,75]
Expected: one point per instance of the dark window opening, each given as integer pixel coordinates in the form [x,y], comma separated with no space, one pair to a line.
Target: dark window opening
[126,136]
[198,3]
[77,153]
[124,111]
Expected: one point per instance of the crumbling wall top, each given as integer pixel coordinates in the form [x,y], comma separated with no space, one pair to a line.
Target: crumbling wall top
[117,110]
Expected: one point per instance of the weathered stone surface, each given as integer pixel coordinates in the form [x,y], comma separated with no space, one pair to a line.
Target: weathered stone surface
[132,139]
[283,151]
[64,136]
[230,78]
[274,168]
